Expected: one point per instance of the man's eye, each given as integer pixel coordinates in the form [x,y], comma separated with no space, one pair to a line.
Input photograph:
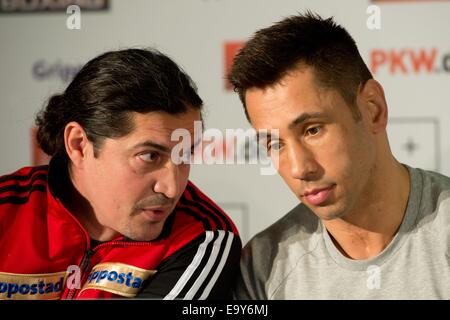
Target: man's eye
[273,146]
[313,131]
[149,156]
[188,155]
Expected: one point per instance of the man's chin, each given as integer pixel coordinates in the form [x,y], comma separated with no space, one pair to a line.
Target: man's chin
[327,213]
[150,234]
[330,217]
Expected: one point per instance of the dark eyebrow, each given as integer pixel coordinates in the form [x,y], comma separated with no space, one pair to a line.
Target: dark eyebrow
[152,144]
[305,117]
[297,121]
[267,134]
[196,143]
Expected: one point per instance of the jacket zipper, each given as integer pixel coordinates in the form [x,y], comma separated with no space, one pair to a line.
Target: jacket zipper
[84,266]
[124,243]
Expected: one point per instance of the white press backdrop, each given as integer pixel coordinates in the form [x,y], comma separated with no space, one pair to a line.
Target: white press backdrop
[409,54]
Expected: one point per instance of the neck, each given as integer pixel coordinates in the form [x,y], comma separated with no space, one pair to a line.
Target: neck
[76,201]
[370,226]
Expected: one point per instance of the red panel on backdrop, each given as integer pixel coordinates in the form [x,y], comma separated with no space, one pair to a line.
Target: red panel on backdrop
[38,157]
[230,49]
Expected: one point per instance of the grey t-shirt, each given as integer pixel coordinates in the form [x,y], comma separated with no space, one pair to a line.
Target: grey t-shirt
[296,259]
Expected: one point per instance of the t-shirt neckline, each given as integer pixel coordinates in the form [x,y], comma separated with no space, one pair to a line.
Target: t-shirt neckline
[409,219]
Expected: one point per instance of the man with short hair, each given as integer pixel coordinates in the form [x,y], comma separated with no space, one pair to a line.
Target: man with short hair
[114,215]
[368,227]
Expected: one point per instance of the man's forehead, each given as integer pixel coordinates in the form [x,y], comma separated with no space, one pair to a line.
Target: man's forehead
[163,120]
[159,127]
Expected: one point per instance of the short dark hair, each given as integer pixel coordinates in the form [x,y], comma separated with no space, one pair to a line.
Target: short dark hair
[304,39]
[107,89]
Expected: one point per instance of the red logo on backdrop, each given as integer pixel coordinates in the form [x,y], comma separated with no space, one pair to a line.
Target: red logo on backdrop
[38,157]
[230,49]
[409,61]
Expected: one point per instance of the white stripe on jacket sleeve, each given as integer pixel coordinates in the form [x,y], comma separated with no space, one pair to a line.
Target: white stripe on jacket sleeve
[219,269]
[187,274]
[207,269]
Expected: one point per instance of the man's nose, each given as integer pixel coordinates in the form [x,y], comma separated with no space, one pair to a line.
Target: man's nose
[302,163]
[167,181]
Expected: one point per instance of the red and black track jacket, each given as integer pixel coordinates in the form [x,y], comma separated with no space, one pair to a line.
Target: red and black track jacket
[45,253]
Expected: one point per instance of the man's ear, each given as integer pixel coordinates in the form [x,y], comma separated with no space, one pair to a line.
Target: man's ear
[371,99]
[76,143]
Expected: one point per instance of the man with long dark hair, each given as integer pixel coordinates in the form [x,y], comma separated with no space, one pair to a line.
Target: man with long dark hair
[113,215]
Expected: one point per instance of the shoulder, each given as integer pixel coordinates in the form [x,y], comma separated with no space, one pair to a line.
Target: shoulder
[23,197]
[299,224]
[273,253]
[20,187]
[433,201]
[284,242]
[201,224]
[434,181]
[196,206]
[434,188]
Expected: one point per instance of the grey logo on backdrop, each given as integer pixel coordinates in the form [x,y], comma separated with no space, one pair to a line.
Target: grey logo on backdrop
[46,70]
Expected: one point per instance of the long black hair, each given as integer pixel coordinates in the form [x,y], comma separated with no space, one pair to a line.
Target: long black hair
[107,89]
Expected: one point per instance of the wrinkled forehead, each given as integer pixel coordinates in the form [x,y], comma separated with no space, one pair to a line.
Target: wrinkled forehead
[163,128]
[164,123]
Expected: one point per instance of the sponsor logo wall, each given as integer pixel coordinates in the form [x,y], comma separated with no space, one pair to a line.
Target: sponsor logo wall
[409,54]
